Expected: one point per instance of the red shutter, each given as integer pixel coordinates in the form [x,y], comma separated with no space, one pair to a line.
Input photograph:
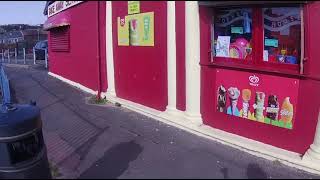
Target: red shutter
[59,39]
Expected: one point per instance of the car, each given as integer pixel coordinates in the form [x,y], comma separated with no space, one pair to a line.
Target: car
[40,49]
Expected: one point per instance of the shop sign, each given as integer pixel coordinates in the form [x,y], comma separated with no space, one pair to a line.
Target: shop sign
[59,6]
[257,97]
[136,30]
[133,7]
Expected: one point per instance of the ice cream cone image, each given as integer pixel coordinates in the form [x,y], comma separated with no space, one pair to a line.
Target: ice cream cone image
[221,105]
[246,95]
[234,94]
[133,32]
[286,111]
[259,106]
[273,107]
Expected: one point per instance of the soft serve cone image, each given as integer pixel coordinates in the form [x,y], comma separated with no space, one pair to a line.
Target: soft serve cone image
[133,32]
[286,111]
[234,94]
[259,106]
[222,99]
[246,95]
[273,107]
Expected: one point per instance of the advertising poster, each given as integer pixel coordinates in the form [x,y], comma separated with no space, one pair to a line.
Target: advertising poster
[123,32]
[257,97]
[133,7]
[136,30]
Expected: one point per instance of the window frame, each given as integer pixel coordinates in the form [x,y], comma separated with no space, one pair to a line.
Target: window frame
[258,44]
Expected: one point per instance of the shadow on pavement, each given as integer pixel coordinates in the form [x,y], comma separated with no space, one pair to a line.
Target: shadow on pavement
[255,172]
[115,161]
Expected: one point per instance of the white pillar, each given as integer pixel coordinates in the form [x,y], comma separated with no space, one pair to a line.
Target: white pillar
[109,51]
[313,154]
[192,62]
[171,57]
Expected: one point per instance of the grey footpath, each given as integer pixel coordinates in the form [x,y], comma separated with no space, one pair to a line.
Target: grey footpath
[92,141]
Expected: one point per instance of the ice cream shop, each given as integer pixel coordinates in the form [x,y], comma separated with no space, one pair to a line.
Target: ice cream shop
[245,73]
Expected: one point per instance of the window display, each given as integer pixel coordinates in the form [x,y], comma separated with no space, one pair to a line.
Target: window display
[258,37]
[233,33]
[282,31]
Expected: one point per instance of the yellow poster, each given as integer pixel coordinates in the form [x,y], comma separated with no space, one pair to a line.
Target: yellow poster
[136,30]
[123,32]
[133,7]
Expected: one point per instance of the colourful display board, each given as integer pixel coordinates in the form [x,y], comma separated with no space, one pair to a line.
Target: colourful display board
[257,97]
[136,30]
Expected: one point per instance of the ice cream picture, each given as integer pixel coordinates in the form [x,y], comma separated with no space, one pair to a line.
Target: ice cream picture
[233,94]
[273,107]
[286,111]
[222,99]
[259,106]
[133,32]
[246,95]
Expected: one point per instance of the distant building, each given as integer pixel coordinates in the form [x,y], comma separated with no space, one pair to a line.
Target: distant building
[27,38]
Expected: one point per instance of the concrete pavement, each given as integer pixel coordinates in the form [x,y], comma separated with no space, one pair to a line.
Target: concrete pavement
[92,141]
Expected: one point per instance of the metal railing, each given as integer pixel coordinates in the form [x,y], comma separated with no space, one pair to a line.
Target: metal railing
[18,55]
[5,87]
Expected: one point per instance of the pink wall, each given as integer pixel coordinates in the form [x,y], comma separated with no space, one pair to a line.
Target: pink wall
[181,58]
[312,65]
[81,64]
[299,138]
[141,72]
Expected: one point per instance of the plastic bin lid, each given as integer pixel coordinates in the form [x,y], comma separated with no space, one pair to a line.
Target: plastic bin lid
[16,120]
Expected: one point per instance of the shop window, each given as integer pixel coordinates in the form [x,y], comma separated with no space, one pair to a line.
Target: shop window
[59,39]
[233,33]
[282,35]
[265,38]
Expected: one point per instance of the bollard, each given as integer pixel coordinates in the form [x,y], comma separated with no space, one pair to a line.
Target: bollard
[24,55]
[22,147]
[9,56]
[46,58]
[15,55]
[34,56]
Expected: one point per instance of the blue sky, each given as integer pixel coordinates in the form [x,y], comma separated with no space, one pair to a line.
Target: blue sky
[22,12]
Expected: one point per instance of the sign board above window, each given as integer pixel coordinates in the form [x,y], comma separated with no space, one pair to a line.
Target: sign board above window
[59,6]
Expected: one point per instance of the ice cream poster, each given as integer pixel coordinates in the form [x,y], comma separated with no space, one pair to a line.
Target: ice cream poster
[257,97]
[136,30]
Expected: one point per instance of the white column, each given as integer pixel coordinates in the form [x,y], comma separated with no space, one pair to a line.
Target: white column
[171,57]
[313,154]
[192,62]
[109,51]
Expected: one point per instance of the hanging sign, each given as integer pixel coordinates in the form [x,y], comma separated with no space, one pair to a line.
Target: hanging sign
[136,30]
[133,7]
[283,22]
[232,16]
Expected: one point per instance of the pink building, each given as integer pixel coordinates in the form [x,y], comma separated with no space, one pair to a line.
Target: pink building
[247,75]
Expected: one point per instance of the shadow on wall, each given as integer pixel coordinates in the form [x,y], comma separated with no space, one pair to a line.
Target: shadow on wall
[115,161]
